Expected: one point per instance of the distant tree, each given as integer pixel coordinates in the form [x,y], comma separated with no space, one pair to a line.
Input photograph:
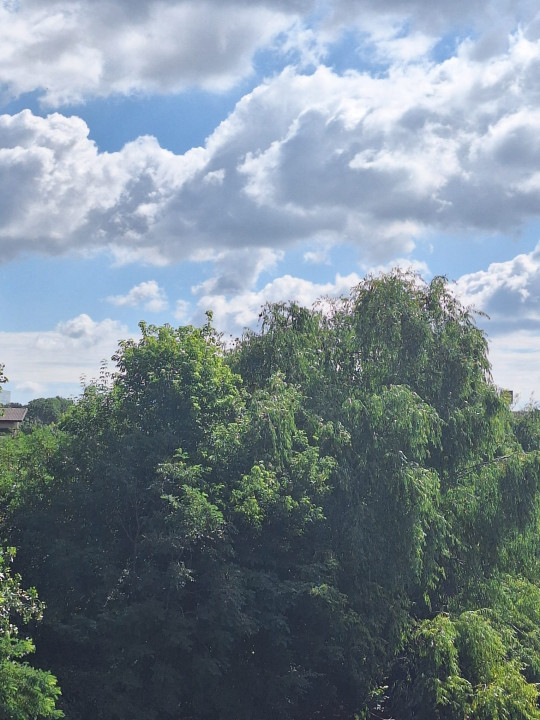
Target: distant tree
[46,411]
[526,425]
[3,379]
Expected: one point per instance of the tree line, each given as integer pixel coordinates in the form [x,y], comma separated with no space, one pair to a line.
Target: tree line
[335,518]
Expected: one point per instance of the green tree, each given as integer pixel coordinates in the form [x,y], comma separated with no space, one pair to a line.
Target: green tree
[26,693]
[431,489]
[46,411]
[338,516]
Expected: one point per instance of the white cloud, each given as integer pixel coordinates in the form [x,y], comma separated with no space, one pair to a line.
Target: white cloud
[58,194]
[32,388]
[509,292]
[233,314]
[54,361]
[405,264]
[431,17]
[73,50]
[375,162]
[147,295]
[239,269]
[182,311]
[319,256]
[318,160]
[514,357]
[70,51]
[79,332]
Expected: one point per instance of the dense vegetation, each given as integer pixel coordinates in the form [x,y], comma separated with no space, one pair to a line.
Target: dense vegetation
[337,518]
[43,411]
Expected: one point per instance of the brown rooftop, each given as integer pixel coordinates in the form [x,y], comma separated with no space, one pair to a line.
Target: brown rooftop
[12,414]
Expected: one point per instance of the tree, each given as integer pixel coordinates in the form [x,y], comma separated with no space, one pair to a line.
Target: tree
[333,518]
[432,494]
[45,411]
[26,693]
[171,509]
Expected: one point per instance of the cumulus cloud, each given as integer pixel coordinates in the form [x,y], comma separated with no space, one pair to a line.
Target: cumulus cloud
[233,314]
[405,264]
[238,269]
[514,357]
[58,194]
[53,361]
[32,388]
[319,256]
[182,311]
[509,292]
[70,51]
[375,161]
[78,332]
[147,295]
[392,28]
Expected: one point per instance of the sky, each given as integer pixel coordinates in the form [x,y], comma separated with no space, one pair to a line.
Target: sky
[162,158]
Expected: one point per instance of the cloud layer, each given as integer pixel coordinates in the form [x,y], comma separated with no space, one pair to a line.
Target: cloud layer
[71,50]
[376,162]
[435,131]
[509,293]
[57,361]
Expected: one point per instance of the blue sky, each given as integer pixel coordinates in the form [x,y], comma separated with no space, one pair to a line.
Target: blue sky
[158,159]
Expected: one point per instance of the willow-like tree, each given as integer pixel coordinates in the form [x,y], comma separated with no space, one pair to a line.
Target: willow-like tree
[434,505]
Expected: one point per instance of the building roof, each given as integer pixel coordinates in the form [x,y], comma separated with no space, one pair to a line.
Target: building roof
[12,414]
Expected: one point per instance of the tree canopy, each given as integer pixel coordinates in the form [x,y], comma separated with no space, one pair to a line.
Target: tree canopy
[335,518]
[46,411]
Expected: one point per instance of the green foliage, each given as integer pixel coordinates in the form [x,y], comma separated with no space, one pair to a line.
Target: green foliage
[46,411]
[338,516]
[462,667]
[526,426]
[26,693]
